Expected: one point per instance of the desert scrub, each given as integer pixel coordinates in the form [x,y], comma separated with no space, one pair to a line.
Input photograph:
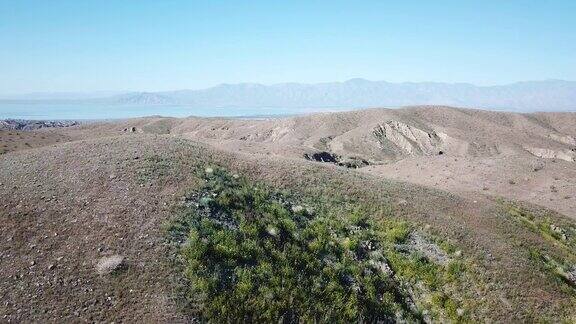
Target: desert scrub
[252,254]
[562,234]
[562,271]
[562,266]
[154,168]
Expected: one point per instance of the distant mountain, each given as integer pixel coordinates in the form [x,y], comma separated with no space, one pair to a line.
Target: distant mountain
[145,98]
[359,93]
[549,95]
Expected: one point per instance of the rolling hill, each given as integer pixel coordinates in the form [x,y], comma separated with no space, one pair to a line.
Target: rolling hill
[453,211]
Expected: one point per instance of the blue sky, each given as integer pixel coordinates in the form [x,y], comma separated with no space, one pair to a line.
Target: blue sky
[93,45]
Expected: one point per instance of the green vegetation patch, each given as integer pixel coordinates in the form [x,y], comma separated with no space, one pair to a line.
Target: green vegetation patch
[155,168]
[564,235]
[253,254]
[563,266]
[562,271]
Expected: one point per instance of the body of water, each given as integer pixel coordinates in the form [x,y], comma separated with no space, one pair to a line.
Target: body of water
[51,111]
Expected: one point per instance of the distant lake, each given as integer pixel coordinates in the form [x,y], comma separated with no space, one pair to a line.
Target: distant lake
[59,111]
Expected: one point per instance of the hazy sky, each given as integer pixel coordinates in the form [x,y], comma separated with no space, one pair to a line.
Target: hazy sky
[87,45]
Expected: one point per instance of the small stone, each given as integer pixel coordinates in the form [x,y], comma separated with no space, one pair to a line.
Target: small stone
[209,170]
[51,266]
[297,209]
[109,264]
[273,231]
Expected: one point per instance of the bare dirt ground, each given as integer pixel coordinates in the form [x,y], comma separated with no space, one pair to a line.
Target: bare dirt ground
[15,140]
[108,191]
[552,186]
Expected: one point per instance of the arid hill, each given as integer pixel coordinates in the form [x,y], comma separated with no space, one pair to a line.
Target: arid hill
[530,157]
[485,200]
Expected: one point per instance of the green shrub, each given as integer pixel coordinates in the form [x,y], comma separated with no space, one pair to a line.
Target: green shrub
[252,254]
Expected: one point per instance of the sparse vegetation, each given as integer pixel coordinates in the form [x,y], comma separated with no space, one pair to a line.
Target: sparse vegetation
[563,267]
[155,167]
[453,257]
[253,254]
[563,235]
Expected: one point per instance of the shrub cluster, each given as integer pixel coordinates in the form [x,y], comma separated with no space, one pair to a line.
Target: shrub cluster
[251,254]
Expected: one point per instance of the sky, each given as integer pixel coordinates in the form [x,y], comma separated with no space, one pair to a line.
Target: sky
[145,45]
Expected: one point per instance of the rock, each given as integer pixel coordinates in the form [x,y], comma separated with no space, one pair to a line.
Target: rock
[273,231]
[571,274]
[429,249]
[409,139]
[566,139]
[566,155]
[297,209]
[382,267]
[107,265]
[537,165]
[322,157]
[352,162]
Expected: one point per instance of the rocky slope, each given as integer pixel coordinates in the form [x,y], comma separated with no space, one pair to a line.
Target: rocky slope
[532,150]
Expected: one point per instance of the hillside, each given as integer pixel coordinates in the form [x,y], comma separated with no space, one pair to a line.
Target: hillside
[108,191]
[519,156]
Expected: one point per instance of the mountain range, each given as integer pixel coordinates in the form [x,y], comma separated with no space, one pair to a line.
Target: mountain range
[548,95]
